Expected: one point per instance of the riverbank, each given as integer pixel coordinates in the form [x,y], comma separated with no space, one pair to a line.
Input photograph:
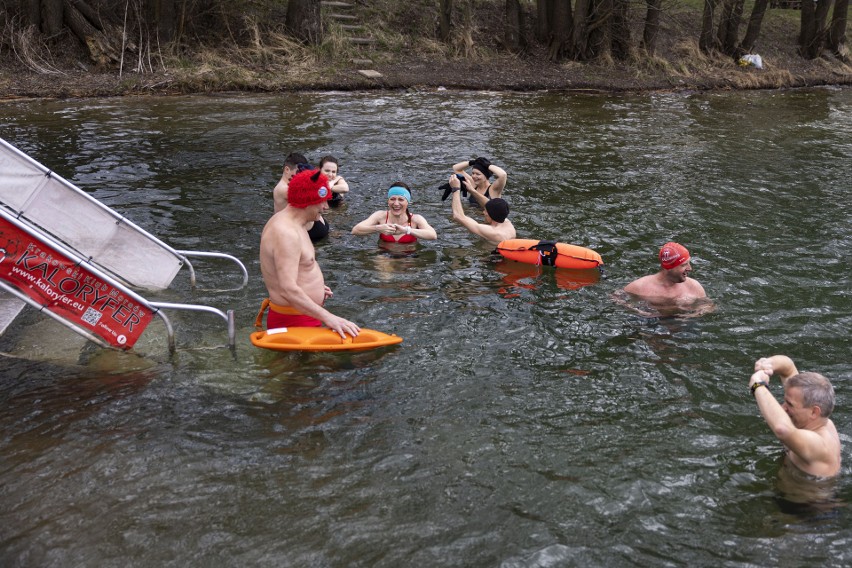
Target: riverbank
[678,65]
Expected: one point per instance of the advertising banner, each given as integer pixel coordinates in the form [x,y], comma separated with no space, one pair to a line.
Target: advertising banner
[70,290]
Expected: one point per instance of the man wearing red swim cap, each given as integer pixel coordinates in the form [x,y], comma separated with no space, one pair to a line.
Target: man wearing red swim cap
[290,271]
[671,286]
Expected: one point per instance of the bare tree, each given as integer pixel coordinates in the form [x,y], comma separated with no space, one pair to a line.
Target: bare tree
[837,31]
[515,24]
[31,12]
[579,41]
[445,19]
[303,21]
[51,17]
[707,41]
[544,19]
[560,30]
[652,26]
[753,30]
[162,16]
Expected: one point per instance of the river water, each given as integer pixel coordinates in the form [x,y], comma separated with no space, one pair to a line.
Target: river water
[528,419]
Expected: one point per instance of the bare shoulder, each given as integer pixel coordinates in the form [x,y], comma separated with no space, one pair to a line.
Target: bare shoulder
[280,226]
[695,288]
[640,285]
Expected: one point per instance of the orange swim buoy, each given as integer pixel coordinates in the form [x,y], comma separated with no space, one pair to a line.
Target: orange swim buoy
[550,253]
[320,339]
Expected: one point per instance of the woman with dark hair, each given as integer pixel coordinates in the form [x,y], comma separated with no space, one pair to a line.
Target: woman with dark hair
[479,182]
[329,166]
[396,224]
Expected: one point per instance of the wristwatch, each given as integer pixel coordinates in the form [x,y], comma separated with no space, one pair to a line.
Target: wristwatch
[758,384]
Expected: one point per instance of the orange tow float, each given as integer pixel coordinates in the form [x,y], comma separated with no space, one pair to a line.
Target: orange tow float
[550,253]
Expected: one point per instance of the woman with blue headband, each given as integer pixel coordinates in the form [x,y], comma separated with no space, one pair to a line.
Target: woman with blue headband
[396,224]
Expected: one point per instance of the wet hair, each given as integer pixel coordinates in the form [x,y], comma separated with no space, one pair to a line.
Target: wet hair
[327,159]
[405,185]
[293,160]
[816,391]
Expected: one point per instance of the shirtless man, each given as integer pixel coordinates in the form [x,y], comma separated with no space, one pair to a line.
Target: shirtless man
[802,422]
[290,271]
[671,286]
[496,229]
[317,228]
[291,167]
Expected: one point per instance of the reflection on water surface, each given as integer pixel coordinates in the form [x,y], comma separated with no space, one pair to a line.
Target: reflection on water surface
[527,419]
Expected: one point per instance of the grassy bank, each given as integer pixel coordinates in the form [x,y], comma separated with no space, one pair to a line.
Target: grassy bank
[400,45]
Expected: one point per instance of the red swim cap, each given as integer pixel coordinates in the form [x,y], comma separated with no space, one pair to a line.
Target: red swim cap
[672,255]
[307,188]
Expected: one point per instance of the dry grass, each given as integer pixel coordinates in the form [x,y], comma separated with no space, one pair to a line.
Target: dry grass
[30,49]
[255,55]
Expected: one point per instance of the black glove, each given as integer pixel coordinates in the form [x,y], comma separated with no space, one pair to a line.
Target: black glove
[448,189]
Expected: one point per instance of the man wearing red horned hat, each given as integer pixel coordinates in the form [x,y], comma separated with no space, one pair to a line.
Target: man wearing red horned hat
[671,285]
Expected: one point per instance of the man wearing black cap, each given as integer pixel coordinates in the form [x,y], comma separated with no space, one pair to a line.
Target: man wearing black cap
[498,229]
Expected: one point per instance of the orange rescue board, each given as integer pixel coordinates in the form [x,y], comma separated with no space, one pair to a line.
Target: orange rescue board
[550,253]
[320,339]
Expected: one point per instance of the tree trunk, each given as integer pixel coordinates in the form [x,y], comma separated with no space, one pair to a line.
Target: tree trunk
[753,31]
[445,20]
[514,27]
[51,17]
[162,17]
[544,20]
[821,17]
[561,30]
[807,28]
[813,32]
[600,32]
[729,24]
[101,50]
[733,34]
[31,12]
[93,15]
[652,26]
[837,32]
[621,30]
[707,41]
[580,30]
[303,21]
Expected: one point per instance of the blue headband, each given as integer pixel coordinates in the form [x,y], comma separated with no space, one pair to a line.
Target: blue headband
[400,191]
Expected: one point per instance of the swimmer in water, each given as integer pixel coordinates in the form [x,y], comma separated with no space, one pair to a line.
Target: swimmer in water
[671,287]
[497,227]
[479,179]
[294,162]
[802,423]
[396,224]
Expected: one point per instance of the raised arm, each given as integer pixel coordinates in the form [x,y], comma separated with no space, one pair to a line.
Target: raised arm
[499,183]
[459,216]
[461,166]
[781,365]
[808,447]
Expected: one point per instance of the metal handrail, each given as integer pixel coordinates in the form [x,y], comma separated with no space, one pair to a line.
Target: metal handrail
[218,255]
[227,316]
